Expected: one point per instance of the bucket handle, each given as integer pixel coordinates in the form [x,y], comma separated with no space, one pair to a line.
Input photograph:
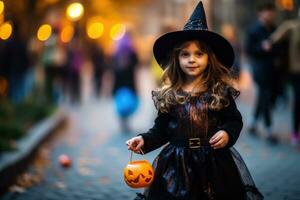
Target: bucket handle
[132,154]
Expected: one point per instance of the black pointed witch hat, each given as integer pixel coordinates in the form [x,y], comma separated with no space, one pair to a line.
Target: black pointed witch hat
[195,28]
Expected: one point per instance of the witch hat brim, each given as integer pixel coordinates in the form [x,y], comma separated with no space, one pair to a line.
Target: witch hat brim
[195,29]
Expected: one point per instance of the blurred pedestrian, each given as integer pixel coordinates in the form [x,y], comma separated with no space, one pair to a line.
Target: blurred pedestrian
[125,61]
[197,117]
[98,60]
[15,64]
[290,31]
[54,59]
[261,58]
[74,67]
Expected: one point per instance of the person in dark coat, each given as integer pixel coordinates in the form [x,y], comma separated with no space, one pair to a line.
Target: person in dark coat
[75,65]
[261,58]
[197,117]
[125,61]
[16,64]
[289,33]
[55,60]
[98,60]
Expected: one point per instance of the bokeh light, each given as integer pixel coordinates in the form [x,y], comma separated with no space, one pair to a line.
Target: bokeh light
[117,31]
[5,30]
[51,1]
[1,7]
[44,32]
[95,30]
[67,33]
[75,11]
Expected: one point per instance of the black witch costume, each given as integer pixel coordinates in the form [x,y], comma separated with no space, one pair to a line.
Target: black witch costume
[188,168]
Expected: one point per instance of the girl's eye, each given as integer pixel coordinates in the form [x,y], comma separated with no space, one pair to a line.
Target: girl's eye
[199,54]
[184,54]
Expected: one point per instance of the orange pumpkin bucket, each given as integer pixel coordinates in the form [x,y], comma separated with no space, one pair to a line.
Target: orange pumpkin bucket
[138,174]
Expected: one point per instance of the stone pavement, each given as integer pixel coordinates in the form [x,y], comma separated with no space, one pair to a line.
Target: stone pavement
[96,145]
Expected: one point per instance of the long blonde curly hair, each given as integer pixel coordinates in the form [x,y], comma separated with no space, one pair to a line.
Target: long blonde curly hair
[216,80]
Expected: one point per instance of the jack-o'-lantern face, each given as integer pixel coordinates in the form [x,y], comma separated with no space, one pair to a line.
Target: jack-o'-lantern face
[138,174]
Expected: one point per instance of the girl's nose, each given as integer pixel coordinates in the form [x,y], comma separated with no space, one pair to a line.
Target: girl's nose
[191,58]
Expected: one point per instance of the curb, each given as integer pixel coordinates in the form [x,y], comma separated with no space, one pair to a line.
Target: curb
[14,163]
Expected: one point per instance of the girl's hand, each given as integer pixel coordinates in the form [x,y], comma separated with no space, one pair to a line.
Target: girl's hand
[135,144]
[219,140]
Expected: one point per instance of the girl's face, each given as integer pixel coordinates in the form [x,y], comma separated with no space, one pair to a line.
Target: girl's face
[192,60]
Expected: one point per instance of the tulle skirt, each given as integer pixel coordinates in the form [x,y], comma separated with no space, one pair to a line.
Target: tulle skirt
[203,173]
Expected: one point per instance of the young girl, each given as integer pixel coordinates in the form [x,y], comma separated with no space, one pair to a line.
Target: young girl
[197,117]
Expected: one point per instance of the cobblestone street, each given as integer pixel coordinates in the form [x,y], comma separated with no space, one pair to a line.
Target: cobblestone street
[93,140]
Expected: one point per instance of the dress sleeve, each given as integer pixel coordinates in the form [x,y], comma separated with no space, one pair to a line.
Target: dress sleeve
[156,136]
[231,121]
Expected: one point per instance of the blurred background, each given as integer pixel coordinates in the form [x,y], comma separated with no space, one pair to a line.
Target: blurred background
[92,60]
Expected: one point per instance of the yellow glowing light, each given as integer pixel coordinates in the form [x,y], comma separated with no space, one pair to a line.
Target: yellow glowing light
[1,7]
[5,31]
[117,31]
[75,11]
[67,34]
[95,30]
[51,1]
[286,4]
[44,32]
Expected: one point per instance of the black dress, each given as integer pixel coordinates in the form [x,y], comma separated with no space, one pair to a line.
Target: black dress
[187,167]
